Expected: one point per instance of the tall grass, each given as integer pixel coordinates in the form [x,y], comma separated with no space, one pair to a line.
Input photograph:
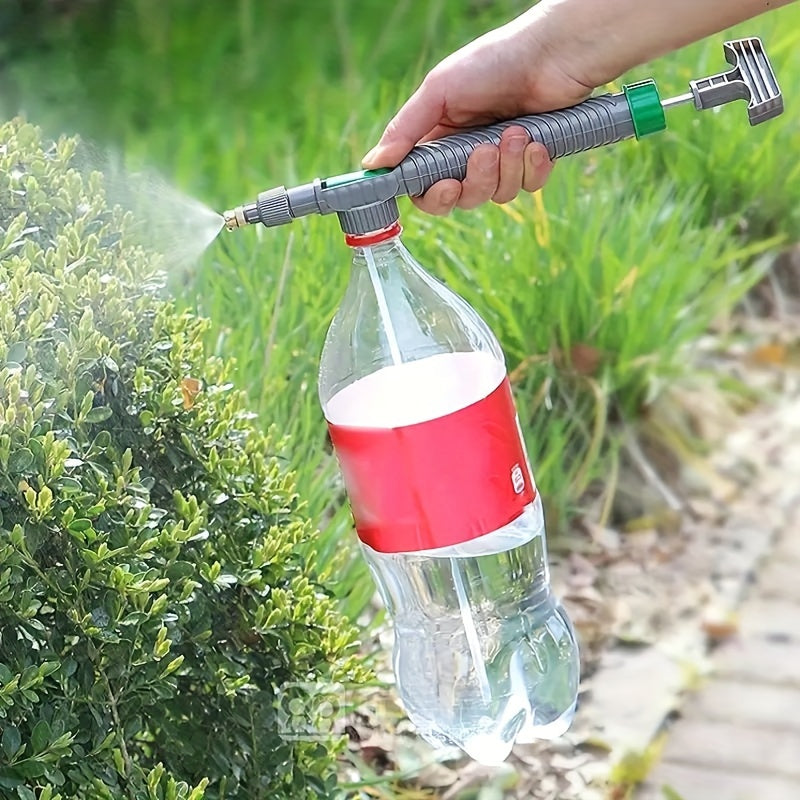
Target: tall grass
[596,288]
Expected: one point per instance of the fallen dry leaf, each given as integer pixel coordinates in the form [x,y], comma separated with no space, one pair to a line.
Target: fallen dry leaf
[190,388]
[773,354]
[584,358]
[437,776]
[720,628]
[582,572]
[607,538]
[378,747]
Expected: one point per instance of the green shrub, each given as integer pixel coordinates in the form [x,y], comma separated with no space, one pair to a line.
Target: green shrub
[286,91]
[153,599]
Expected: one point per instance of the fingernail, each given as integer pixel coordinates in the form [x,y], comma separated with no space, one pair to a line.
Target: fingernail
[372,155]
[516,144]
[537,157]
[489,159]
[450,197]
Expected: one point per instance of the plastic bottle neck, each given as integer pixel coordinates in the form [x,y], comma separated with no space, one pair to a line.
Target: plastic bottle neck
[358,241]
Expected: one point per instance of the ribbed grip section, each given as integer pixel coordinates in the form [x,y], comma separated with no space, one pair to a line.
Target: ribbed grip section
[595,122]
[273,207]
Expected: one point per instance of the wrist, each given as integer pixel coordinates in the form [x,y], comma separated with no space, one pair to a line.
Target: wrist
[596,41]
[580,40]
[546,55]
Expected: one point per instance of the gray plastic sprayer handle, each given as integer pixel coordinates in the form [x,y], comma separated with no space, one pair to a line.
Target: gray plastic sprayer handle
[595,122]
[365,198]
[598,121]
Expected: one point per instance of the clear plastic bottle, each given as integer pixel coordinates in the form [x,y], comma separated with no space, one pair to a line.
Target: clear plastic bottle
[413,385]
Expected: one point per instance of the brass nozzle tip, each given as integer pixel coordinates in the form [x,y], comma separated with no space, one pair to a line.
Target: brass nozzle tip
[234,218]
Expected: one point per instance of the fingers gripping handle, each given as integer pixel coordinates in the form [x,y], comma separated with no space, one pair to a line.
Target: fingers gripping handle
[595,122]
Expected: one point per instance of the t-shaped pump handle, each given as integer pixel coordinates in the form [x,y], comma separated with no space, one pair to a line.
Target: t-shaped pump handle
[365,200]
[751,79]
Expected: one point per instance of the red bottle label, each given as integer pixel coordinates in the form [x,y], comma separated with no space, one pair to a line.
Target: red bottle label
[436,483]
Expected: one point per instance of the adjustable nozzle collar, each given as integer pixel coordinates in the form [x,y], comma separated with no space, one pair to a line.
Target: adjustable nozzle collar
[367,219]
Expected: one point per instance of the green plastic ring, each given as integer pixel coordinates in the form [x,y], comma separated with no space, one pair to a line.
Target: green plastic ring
[645,106]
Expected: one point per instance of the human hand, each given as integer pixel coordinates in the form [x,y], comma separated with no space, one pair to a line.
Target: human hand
[503,74]
[550,57]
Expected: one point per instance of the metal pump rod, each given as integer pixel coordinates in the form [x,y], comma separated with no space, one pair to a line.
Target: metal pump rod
[364,200]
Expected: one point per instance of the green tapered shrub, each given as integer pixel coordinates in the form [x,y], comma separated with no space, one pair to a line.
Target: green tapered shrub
[154,604]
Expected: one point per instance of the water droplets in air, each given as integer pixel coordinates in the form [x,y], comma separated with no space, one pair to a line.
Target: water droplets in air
[166,221]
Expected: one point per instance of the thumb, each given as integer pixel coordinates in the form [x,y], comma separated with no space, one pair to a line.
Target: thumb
[418,116]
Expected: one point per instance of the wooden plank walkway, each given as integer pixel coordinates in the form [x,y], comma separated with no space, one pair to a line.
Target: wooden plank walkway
[738,737]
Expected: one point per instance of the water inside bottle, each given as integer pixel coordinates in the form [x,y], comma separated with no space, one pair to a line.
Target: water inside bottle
[511,674]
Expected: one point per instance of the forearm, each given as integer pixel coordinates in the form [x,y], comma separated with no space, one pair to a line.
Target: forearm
[598,40]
